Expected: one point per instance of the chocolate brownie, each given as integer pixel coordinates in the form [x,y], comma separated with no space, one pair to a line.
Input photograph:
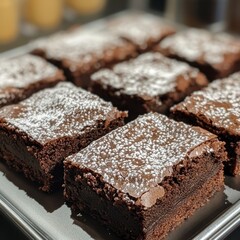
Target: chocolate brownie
[217,108]
[150,82]
[145,178]
[39,132]
[81,53]
[22,76]
[141,29]
[216,55]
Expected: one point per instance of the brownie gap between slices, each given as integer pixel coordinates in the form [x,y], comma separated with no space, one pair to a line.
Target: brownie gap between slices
[145,178]
[39,132]
[22,76]
[217,109]
[216,55]
[141,29]
[151,82]
[81,53]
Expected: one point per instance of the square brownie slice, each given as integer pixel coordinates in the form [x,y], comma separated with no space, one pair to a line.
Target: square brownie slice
[217,109]
[81,53]
[145,178]
[151,82]
[141,29]
[22,76]
[216,55]
[39,132]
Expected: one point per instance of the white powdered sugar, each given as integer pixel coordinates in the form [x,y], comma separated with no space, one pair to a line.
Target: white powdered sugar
[137,157]
[219,103]
[151,74]
[200,45]
[76,46]
[140,28]
[22,71]
[62,111]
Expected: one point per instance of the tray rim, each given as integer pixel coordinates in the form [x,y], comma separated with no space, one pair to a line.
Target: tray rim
[30,229]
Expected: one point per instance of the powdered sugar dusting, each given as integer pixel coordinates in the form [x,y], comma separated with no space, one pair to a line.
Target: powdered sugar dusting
[219,103]
[200,45]
[58,112]
[76,46]
[24,70]
[137,157]
[140,28]
[151,74]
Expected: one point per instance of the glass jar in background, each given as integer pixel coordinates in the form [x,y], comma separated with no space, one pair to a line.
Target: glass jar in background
[196,13]
[233,16]
[87,7]
[45,14]
[9,20]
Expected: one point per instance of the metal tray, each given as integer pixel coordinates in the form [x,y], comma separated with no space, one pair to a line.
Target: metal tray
[44,216]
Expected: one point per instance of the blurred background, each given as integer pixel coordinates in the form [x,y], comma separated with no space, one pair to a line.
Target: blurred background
[23,20]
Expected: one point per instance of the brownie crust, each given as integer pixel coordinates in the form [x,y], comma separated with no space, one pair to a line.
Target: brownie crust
[22,76]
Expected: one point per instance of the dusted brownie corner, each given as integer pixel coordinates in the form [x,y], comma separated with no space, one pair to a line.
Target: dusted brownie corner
[216,55]
[39,132]
[151,82]
[81,53]
[22,76]
[217,109]
[143,179]
[142,29]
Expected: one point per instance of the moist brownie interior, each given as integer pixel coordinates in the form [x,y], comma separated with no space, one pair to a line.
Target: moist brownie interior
[145,178]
